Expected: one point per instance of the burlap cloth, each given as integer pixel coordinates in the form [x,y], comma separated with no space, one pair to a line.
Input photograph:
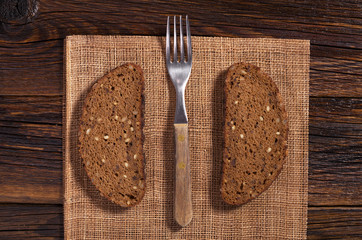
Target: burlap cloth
[279,213]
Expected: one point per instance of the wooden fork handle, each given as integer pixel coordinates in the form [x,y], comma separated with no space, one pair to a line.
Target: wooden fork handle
[183,203]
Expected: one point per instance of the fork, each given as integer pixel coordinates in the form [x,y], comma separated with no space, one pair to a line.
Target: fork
[179,72]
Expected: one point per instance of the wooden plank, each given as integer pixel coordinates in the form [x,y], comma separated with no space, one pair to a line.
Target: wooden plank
[37,64]
[333,24]
[335,72]
[31,149]
[31,109]
[27,221]
[335,140]
[31,154]
[334,223]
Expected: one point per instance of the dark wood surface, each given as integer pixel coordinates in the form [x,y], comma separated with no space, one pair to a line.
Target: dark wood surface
[31,80]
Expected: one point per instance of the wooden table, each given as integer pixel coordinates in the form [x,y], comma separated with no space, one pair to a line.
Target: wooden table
[31,92]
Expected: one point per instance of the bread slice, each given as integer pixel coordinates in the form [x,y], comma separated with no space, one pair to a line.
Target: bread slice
[255,134]
[111,135]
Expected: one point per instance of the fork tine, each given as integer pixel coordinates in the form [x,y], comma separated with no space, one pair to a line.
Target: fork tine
[189,50]
[174,40]
[181,42]
[168,40]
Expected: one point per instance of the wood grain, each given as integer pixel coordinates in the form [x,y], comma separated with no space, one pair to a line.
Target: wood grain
[30,149]
[334,223]
[183,203]
[335,140]
[31,221]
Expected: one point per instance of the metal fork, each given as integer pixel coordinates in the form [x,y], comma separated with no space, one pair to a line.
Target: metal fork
[179,72]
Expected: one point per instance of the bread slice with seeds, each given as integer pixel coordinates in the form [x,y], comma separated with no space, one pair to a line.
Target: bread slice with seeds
[255,134]
[111,135]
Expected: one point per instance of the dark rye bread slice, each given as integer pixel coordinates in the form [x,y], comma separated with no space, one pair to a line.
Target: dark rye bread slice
[111,136]
[255,134]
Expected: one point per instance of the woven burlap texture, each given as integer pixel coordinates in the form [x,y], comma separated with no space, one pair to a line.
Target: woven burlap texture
[278,213]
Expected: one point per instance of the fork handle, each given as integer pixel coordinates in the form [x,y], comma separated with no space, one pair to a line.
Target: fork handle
[183,204]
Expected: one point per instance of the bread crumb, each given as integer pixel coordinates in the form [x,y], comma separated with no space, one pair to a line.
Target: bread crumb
[261,118]
[115,103]
[106,137]
[269,150]
[236,102]
[126,164]
[267,108]
[125,135]
[132,129]
[138,123]
[91,118]
[125,176]
[96,138]
[99,120]
[278,133]
[124,119]
[129,122]
[243,71]
[135,156]
[127,140]
[134,187]
[233,127]
[87,163]
[128,202]
[103,160]
[241,135]
[88,131]
[116,117]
